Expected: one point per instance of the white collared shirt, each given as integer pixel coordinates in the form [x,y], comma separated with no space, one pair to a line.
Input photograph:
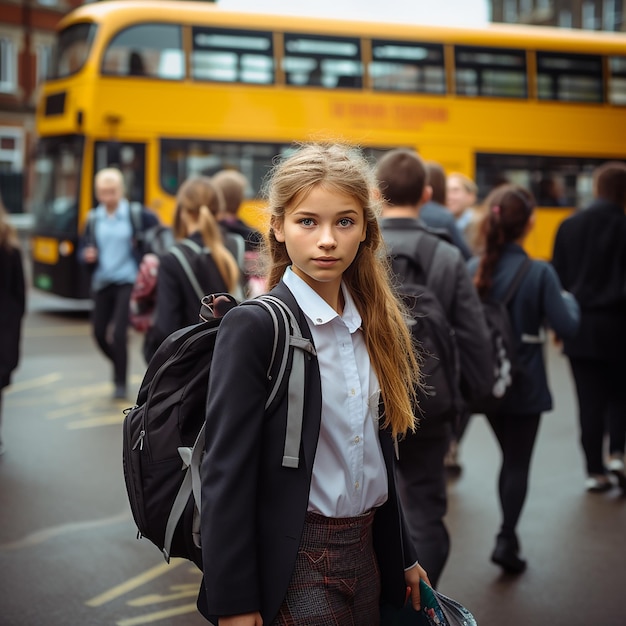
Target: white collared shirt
[349,475]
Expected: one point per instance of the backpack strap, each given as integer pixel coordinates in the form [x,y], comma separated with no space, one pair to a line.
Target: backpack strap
[182,259]
[517,279]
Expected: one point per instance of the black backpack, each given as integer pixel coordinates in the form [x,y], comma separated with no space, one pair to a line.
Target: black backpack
[164,436]
[439,399]
[504,345]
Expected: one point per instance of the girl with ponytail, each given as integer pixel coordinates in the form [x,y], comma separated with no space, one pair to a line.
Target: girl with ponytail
[539,300]
[201,246]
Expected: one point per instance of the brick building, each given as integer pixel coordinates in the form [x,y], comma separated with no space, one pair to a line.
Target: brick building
[587,14]
[26,39]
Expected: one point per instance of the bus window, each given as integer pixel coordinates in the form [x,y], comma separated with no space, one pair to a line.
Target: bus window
[232,56]
[569,77]
[617,80]
[72,49]
[153,50]
[412,68]
[490,72]
[181,158]
[554,181]
[317,61]
[130,159]
[57,174]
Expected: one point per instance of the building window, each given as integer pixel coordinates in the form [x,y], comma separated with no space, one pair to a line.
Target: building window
[510,11]
[589,15]
[610,15]
[44,61]
[525,7]
[565,18]
[8,69]
[11,151]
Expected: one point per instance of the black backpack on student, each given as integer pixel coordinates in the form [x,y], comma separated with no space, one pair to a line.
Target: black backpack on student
[439,399]
[503,345]
[164,433]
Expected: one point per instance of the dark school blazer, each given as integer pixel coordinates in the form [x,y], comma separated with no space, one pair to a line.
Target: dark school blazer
[253,509]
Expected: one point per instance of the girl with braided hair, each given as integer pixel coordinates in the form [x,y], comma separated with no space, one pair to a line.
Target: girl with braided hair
[539,301]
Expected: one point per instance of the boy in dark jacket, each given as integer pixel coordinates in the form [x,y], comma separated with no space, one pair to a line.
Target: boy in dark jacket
[590,259]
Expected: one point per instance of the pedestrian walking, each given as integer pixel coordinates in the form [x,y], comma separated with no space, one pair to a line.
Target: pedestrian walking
[205,267]
[590,259]
[539,299]
[402,178]
[434,212]
[323,543]
[12,304]
[112,246]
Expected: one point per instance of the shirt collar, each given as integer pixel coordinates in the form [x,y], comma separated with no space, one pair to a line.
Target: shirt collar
[121,212]
[316,308]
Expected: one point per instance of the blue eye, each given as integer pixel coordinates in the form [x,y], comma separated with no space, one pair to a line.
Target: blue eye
[306,221]
[346,221]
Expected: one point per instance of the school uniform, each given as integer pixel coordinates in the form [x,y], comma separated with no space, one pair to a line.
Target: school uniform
[177,303]
[538,300]
[255,511]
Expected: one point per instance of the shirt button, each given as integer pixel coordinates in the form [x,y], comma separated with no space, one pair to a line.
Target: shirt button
[352,392]
[319,320]
[356,485]
[357,439]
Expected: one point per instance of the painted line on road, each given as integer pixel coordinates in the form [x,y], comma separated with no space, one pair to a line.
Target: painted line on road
[25,385]
[96,422]
[150,618]
[42,536]
[57,331]
[82,407]
[133,583]
[180,591]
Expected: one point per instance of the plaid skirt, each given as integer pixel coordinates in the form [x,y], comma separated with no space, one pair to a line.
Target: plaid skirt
[336,581]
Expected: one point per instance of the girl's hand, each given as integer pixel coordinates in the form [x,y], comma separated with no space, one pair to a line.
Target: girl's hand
[247,619]
[413,577]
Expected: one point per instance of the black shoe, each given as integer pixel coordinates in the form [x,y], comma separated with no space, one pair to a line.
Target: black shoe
[120,392]
[506,555]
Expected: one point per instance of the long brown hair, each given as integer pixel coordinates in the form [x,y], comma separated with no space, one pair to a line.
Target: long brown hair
[200,198]
[508,209]
[343,169]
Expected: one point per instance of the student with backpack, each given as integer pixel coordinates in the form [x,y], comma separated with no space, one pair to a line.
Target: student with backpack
[323,541]
[538,299]
[450,331]
[197,265]
[112,246]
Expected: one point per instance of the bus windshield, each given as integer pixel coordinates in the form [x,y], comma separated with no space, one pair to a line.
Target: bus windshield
[56,185]
[72,49]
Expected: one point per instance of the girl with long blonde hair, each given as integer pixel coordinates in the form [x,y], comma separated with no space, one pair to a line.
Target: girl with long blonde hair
[325,542]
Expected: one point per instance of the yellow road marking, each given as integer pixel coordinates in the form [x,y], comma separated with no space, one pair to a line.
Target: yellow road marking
[149,618]
[133,583]
[182,591]
[25,385]
[57,331]
[82,407]
[43,535]
[95,422]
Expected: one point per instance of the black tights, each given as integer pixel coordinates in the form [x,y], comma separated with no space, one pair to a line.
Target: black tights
[516,435]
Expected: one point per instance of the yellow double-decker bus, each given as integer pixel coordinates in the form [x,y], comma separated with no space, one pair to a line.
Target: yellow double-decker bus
[166,90]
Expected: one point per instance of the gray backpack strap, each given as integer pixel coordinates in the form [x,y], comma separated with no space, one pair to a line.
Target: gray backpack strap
[192,457]
[295,410]
[182,259]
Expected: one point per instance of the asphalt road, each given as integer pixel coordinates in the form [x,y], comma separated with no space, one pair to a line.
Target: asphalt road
[69,556]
